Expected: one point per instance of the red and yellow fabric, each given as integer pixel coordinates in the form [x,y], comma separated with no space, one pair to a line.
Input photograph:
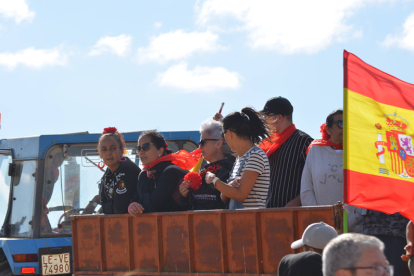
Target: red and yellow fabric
[378,139]
[182,158]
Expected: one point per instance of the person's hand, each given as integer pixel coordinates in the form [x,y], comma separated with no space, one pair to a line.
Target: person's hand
[409,251]
[184,188]
[218,117]
[235,183]
[209,177]
[135,209]
[151,174]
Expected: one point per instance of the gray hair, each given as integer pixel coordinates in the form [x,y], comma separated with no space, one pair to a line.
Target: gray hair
[213,129]
[346,250]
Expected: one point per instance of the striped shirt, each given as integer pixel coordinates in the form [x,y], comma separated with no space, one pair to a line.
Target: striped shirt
[286,166]
[256,160]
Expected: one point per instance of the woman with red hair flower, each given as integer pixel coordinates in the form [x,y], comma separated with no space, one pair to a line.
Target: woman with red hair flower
[322,177]
[119,182]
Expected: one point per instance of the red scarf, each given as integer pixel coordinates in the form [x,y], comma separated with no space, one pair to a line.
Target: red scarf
[182,158]
[276,140]
[324,141]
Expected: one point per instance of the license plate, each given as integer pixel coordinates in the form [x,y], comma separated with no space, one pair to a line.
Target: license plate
[56,264]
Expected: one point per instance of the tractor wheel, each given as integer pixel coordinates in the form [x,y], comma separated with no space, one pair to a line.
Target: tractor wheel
[5,269]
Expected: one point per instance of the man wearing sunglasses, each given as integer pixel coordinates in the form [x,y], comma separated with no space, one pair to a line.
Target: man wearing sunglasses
[286,153]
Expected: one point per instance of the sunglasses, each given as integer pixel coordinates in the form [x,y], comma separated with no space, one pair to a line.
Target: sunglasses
[145,147]
[203,141]
[222,134]
[340,123]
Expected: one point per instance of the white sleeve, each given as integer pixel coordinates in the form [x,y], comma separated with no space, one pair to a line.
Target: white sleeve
[307,193]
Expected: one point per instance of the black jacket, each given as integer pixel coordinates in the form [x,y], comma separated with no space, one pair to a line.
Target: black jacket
[160,194]
[206,197]
[305,263]
[118,188]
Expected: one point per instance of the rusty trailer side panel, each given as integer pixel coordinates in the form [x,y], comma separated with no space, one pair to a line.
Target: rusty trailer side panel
[219,242]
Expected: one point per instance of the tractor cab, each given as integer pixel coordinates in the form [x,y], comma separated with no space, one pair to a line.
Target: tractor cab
[46,179]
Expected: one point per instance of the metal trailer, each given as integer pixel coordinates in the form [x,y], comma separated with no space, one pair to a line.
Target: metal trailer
[45,179]
[215,242]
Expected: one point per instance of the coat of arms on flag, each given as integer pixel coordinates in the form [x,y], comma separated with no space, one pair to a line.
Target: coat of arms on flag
[393,138]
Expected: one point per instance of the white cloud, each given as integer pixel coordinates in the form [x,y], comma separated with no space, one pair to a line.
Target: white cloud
[34,58]
[405,39]
[157,25]
[178,45]
[300,26]
[200,79]
[118,45]
[17,9]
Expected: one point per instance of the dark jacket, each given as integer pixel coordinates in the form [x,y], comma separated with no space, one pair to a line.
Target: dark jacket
[118,188]
[206,197]
[377,223]
[160,194]
[305,263]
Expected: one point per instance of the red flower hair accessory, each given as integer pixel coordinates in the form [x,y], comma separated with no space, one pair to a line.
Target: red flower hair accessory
[109,130]
[195,180]
[167,145]
[325,135]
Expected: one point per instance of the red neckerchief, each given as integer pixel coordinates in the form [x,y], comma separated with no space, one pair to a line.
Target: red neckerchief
[277,140]
[182,158]
[325,142]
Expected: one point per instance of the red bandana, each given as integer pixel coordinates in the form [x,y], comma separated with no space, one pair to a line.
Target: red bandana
[324,141]
[277,140]
[182,158]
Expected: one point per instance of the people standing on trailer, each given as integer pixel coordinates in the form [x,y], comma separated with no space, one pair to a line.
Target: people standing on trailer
[217,152]
[286,152]
[249,180]
[309,262]
[157,189]
[322,177]
[119,182]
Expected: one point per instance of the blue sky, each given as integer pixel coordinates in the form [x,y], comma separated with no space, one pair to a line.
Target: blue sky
[71,66]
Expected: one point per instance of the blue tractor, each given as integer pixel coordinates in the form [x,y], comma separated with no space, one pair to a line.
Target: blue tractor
[45,179]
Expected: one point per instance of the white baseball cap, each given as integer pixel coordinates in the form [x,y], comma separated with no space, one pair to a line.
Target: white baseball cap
[316,235]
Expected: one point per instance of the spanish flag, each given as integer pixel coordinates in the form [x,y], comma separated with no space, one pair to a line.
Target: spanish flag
[378,139]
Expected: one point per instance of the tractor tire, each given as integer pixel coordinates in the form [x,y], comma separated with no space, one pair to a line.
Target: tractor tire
[5,269]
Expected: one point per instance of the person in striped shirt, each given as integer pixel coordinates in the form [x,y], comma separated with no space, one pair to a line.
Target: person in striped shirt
[249,181]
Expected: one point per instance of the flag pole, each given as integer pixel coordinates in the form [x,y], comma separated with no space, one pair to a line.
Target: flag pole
[345,216]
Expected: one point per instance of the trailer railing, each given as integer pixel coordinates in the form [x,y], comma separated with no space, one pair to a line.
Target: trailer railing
[217,242]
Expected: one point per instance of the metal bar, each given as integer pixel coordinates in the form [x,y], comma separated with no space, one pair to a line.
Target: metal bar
[223,236]
[191,243]
[259,251]
[102,242]
[38,212]
[75,245]
[294,216]
[160,246]
[131,255]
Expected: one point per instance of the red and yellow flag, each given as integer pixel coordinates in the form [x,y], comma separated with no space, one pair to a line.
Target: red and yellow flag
[378,139]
